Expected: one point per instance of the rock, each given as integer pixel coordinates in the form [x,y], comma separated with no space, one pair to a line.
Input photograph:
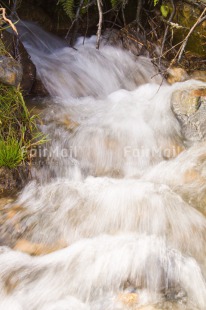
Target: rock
[13,45]
[38,89]
[10,71]
[128,38]
[31,248]
[12,180]
[68,123]
[7,179]
[32,11]
[176,74]
[198,75]
[128,299]
[189,106]
[186,15]
[191,176]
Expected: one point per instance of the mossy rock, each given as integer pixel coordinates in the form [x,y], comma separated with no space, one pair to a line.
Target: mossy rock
[186,16]
[10,71]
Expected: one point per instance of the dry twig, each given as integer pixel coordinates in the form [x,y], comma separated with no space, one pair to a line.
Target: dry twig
[3,13]
[166,31]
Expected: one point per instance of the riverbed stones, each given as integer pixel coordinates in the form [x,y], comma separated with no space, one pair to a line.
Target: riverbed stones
[10,71]
[189,106]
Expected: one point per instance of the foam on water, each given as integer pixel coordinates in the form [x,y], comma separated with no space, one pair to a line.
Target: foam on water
[104,205]
[113,188]
[93,268]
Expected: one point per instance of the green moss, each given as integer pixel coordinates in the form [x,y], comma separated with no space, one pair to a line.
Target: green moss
[186,16]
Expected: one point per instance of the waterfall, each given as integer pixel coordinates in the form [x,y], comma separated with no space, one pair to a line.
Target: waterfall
[116,206]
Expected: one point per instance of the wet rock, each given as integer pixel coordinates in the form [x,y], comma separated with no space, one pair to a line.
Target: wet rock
[16,49]
[128,38]
[186,15]
[31,248]
[31,11]
[198,75]
[68,123]
[38,89]
[10,71]
[177,74]
[12,180]
[189,106]
[128,299]
[7,179]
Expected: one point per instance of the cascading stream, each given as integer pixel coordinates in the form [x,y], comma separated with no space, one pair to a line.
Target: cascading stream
[116,207]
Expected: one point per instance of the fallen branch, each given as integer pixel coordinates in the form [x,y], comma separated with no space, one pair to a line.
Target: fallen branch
[3,13]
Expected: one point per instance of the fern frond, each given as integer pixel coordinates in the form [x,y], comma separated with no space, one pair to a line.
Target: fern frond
[68,6]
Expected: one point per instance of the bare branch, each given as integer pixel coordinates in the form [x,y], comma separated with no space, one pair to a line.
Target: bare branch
[3,13]
[138,13]
[99,30]
[166,31]
[75,24]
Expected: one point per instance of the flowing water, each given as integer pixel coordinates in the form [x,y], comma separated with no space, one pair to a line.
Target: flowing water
[118,196]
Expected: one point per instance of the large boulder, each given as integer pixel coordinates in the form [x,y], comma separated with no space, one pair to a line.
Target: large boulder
[189,106]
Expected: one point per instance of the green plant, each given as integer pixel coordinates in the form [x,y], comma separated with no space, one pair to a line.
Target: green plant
[156,2]
[68,6]
[11,153]
[18,129]
[164,10]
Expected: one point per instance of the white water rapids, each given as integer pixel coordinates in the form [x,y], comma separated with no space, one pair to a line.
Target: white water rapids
[117,188]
